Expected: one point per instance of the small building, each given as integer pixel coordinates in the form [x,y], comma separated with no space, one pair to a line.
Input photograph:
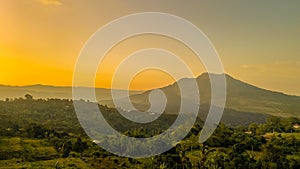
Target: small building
[296,126]
[97,141]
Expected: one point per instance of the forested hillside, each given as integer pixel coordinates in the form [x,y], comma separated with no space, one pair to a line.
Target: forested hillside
[45,133]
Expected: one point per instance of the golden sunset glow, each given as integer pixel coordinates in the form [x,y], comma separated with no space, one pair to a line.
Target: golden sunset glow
[147,79]
[40,41]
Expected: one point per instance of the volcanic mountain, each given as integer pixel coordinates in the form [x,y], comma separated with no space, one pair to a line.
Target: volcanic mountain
[241,97]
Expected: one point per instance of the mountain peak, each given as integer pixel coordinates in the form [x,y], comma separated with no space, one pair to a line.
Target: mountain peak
[206,74]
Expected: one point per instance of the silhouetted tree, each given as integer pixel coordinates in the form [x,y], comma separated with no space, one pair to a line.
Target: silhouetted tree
[28,97]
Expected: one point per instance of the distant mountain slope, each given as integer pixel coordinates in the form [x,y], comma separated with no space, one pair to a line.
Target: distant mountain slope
[43,91]
[241,97]
[245,97]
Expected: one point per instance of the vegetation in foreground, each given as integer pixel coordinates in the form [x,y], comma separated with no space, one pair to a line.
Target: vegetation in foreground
[50,138]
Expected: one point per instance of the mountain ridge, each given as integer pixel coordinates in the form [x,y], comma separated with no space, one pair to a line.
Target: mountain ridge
[227,75]
[241,97]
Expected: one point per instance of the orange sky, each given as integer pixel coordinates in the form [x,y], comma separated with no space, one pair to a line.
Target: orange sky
[258,42]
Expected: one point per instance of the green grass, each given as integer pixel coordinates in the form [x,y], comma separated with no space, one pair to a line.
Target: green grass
[296,135]
[34,148]
[17,150]
[62,163]
[37,153]
[11,144]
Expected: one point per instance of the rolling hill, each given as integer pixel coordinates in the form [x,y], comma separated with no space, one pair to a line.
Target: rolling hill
[45,91]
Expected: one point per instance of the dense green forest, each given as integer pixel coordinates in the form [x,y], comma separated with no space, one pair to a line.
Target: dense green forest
[45,133]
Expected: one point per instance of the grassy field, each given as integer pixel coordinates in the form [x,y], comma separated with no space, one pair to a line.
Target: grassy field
[296,135]
[34,153]
[59,163]
[18,152]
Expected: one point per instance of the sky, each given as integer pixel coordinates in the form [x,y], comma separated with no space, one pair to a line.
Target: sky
[257,41]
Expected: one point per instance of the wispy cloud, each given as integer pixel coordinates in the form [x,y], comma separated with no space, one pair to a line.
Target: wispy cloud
[245,66]
[51,2]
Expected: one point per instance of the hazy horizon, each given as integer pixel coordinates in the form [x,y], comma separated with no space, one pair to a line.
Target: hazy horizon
[133,90]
